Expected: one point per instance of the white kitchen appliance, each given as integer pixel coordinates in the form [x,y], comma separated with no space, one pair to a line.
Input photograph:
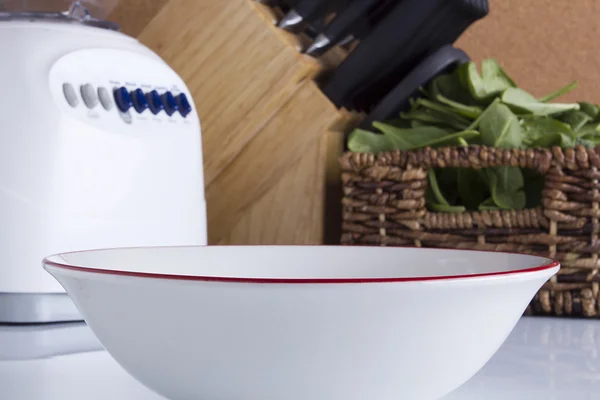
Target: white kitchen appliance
[100,146]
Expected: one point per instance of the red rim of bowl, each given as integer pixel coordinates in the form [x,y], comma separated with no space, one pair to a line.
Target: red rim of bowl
[47,261]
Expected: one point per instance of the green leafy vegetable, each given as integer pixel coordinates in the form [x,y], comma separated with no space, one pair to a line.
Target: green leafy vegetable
[450,87]
[547,132]
[493,79]
[423,136]
[488,204]
[499,127]
[590,109]
[446,208]
[438,197]
[447,112]
[361,141]
[509,200]
[463,108]
[410,138]
[467,111]
[522,101]
[433,118]
[506,186]
[575,119]
[559,92]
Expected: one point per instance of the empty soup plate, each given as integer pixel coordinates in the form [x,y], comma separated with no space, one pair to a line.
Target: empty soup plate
[300,322]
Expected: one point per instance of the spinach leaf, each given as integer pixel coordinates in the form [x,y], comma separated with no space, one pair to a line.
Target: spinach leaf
[362,141]
[465,110]
[452,139]
[410,138]
[590,109]
[451,87]
[509,179]
[400,122]
[436,200]
[432,117]
[499,127]
[575,118]
[493,79]
[589,141]
[559,92]
[521,101]
[419,137]
[554,139]
[444,110]
[589,135]
[547,132]
[475,124]
[488,205]
[506,186]
[446,208]
[588,129]
[435,189]
[509,200]
[415,123]
[491,69]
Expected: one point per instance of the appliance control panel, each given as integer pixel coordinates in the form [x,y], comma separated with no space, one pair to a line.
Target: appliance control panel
[121,91]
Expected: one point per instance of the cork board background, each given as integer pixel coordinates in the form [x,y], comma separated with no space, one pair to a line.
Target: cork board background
[542,44]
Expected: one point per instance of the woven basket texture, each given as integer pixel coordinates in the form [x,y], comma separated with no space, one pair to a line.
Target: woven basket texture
[384,204]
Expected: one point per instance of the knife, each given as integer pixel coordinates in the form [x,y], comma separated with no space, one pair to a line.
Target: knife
[305,10]
[342,25]
[410,30]
[443,28]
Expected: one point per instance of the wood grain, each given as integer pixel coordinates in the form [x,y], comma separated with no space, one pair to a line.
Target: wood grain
[292,211]
[284,140]
[237,66]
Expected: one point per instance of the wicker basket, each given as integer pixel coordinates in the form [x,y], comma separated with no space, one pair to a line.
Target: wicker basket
[384,204]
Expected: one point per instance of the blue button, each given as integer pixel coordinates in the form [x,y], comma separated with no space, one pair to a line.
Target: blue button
[123,99]
[184,105]
[139,100]
[155,102]
[170,103]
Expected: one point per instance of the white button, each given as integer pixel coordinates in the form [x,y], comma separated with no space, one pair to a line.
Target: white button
[70,94]
[89,95]
[105,98]
[126,116]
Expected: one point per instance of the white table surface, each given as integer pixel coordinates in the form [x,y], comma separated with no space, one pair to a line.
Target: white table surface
[549,359]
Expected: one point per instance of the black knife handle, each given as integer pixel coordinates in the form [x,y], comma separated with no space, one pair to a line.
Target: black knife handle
[398,40]
[444,28]
[342,24]
[310,8]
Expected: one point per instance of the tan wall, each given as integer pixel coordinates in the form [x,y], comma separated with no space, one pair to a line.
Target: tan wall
[543,44]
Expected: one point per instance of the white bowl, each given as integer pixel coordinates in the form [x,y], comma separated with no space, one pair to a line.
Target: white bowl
[300,322]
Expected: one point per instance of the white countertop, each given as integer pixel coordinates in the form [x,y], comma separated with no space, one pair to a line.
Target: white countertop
[544,358]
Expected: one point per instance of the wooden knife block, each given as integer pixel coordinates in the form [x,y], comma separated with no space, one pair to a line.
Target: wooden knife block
[270,138]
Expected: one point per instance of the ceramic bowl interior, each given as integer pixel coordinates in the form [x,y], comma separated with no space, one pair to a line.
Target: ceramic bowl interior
[299,263]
